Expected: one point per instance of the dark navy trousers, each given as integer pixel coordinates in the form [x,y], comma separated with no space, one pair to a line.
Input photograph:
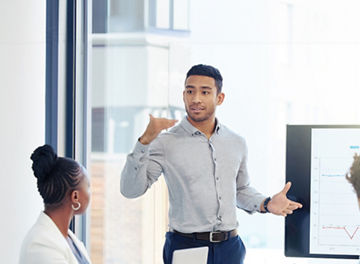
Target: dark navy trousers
[231,251]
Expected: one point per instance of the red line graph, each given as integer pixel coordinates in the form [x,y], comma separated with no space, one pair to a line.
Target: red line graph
[351,236]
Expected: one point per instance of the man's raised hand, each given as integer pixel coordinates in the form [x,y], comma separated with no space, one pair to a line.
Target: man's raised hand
[155,126]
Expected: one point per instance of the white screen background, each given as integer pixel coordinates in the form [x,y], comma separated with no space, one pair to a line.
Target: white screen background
[334,211]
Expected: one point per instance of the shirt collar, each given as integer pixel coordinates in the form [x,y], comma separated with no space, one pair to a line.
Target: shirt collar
[193,130]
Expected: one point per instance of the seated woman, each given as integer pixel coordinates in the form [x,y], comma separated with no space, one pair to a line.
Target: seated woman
[64,186]
[354,176]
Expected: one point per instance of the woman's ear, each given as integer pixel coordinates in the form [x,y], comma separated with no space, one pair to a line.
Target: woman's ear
[75,196]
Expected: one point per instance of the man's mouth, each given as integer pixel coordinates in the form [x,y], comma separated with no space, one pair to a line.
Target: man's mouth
[196,109]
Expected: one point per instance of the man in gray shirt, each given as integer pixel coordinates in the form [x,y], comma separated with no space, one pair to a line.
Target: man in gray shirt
[204,165]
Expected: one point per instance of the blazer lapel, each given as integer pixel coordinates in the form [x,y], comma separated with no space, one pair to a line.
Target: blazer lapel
[80,245]
[54,232]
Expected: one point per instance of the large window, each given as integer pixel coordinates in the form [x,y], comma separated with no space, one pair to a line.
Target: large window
[283,62]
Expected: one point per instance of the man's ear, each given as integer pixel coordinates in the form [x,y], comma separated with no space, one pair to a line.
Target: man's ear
[220,98]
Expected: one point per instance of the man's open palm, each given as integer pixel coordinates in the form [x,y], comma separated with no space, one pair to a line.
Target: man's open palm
[281,205]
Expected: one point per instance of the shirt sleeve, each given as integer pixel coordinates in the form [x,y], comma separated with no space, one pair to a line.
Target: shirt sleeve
[142,168]
[248,198]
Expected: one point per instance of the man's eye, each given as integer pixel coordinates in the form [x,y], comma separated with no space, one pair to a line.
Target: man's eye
[189,91]
[205,92]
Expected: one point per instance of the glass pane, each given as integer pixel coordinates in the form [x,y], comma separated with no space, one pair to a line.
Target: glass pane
[162,14]
[121,103]
[181,14]
[130,79]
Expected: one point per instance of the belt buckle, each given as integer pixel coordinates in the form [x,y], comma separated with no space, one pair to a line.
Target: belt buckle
[211,237]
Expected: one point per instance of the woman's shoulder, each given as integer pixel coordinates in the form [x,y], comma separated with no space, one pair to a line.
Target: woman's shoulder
[42,242]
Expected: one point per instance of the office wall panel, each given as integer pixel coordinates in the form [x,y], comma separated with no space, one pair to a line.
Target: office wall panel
[22,118]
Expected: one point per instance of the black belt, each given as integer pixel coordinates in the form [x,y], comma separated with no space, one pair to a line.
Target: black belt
[216,236]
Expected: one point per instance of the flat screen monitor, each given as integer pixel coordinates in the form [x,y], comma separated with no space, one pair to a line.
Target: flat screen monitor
[317,160]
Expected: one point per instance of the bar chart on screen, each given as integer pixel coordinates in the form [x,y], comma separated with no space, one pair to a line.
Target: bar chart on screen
[334,212]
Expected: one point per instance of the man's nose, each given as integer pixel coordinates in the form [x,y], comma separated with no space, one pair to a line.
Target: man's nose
[196,98]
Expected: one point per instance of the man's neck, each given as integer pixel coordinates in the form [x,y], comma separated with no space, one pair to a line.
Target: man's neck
[207,126]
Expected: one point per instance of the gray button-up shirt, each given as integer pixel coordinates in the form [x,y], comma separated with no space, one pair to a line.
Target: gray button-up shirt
[206,178]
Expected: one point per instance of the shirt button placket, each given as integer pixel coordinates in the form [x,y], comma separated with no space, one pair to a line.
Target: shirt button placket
[217,180]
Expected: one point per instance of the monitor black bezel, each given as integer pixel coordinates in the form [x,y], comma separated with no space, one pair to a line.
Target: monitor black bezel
[298,163]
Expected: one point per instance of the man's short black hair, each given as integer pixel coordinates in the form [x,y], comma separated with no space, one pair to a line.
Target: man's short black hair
[207,70]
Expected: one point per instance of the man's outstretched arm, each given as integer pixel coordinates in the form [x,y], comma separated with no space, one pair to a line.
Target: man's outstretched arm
[144,165]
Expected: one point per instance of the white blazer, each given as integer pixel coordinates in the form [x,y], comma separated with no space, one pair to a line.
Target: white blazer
[45,244]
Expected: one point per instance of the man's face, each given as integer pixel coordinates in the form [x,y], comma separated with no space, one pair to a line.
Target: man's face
[201,98]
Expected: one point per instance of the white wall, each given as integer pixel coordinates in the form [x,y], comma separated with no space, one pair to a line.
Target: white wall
[22,118]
